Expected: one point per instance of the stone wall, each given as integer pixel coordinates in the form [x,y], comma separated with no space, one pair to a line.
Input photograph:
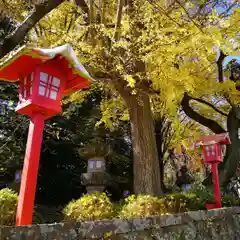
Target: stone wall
[215,224]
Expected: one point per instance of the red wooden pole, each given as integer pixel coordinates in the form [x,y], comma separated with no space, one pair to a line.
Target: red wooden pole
[216,185]
[30,171]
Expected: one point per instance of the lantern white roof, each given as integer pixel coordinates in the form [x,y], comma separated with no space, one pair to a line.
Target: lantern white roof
[11,66]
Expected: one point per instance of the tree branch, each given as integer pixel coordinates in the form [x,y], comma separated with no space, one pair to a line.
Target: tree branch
[118,20]
[224,14]
[220,65]
[91,12]
[18,35]
[102,7]
[210,105]
[188,15]
[209,123]
[164,12]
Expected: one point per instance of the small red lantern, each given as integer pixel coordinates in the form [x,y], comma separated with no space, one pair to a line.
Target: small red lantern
[212,147]
[42,90]
[45,76]
[212,150]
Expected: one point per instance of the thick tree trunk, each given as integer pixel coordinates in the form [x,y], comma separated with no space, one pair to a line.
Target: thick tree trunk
[231,160]
[161,163]
[159,142]
[161,168]
[146,164]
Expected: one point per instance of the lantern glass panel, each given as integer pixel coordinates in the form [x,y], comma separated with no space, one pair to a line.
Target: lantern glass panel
[53,95]
[27,86]
[91,164]
[43,83]
[49,86]
[210,150]
[98,164]
[56,82]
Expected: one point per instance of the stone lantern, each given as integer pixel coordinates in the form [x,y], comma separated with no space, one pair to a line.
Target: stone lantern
[15,184]
[96,178]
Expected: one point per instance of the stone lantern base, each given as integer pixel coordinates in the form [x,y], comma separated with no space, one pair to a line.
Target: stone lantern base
[95,181]
[94,189]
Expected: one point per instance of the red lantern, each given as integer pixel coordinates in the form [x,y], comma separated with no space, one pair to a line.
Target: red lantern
[45,76]
[212,150]
[212,147]
[42,90]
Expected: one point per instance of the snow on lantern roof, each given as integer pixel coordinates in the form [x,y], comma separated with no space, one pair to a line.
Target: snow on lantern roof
[25,59]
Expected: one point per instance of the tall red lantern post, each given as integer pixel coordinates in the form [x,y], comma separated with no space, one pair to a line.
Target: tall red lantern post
[212,151]
[44,76]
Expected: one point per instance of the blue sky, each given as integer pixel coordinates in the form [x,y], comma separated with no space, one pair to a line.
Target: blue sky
[220,10]
[229,58]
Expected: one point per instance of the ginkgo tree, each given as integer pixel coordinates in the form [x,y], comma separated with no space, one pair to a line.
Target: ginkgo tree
[136,50]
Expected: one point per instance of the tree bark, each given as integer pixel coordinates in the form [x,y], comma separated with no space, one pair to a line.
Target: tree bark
[231,160]
[209,123]
[161,169]
[146,169]
[159,134]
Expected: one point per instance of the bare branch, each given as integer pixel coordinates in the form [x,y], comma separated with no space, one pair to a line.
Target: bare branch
[225,13]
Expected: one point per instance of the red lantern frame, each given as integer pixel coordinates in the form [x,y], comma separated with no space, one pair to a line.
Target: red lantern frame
[214,157]
[36,70]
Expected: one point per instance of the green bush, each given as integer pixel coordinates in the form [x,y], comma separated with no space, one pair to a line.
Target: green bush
[8,206]
[229,201]
[98,206]
[204,193]
[95,206]
[182,202]
[142,206]
[145,205]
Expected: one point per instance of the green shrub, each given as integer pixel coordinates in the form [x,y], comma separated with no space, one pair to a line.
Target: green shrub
[204,193]
[98,206]
[142,206]
[8,206]
[182,202]
[229,201]
[145,205]
[95,206]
